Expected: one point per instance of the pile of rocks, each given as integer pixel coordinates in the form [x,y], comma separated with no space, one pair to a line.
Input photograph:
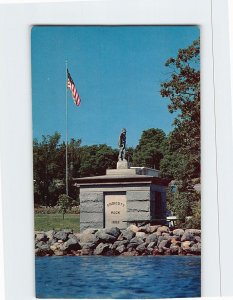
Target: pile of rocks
[144,240]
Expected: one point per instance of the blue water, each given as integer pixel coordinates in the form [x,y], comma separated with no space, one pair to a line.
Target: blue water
[118,277]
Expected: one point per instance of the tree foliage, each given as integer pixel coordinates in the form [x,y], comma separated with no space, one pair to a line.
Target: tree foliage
[149,151]
[64,202]
[181,159]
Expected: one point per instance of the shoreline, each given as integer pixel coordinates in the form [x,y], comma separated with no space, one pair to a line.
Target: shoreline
[145,240]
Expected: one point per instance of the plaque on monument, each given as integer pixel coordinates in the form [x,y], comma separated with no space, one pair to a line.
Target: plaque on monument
[115,211]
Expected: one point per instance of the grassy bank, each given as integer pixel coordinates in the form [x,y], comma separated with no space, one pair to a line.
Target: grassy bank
[45,222]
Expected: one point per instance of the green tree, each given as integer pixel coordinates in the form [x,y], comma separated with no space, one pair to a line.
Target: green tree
[181,160]
[46,168]
[96,159]
[64,203]
[149,152]
[183,90]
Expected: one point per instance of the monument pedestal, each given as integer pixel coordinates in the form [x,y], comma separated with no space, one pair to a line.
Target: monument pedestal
[121,197]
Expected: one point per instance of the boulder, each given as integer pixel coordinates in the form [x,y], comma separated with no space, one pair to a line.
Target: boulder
[119,243]
[174,250]
[133,228]
[141,248]
[131,253]
[90,231]
[162,229]
[87,249]
[39,244]
[114,231]
[127,234]
[141,235]
[40,252]
[121,249]
[151,245]
[152,238]
[61,235]
[185,245]
[41,237]
[136,241]
[187,236]
[197,239]
[101,249]
[58,253]
[88,238]
[50,234]
[153,228]
[55,246]
[178,232]
[104,237]
[71,245]
[194,231]
[196,249]
[164,244]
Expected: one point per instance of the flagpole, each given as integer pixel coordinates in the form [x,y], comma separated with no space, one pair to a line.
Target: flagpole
[67,191]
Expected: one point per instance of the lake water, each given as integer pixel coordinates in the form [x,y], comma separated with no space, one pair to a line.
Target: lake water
[118,277]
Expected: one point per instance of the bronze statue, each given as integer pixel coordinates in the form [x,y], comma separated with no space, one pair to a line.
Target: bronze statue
[122,144]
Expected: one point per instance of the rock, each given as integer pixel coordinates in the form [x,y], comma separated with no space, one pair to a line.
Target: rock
[140,235]
[131,253]
[41,237]
[143,228]
[193,231]
[187,236]
[55,246]
[58,253]
[101,248]
[127,234]
[133,228]
[152,238]
[175,242]
[87,249]
[104,237]
[156,251]
[136,241]
[163,238]
[50,234]
[153,228]
[166,235]
[197,239]
[61,235]
[88,245]
[162,229]
[196,249]
[90,231]
[39,244]
[174,250]
[167,251]
[164,243]
[40,252]
[185,245]
[141,248]
[71,245]
[114,231]
[78,235]
[178,232]
[88,238]
[151,245]
[121,249]
[119,243]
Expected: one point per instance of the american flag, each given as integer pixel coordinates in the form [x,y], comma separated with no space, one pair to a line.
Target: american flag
[74,92]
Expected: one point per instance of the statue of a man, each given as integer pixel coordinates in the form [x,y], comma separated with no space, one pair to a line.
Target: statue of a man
[122,144]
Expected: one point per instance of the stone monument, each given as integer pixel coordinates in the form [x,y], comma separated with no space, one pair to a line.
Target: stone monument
[125,195]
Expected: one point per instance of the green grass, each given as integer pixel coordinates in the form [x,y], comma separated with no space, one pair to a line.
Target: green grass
[45,222]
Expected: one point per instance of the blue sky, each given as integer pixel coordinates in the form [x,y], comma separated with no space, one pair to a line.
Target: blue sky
[117,71]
